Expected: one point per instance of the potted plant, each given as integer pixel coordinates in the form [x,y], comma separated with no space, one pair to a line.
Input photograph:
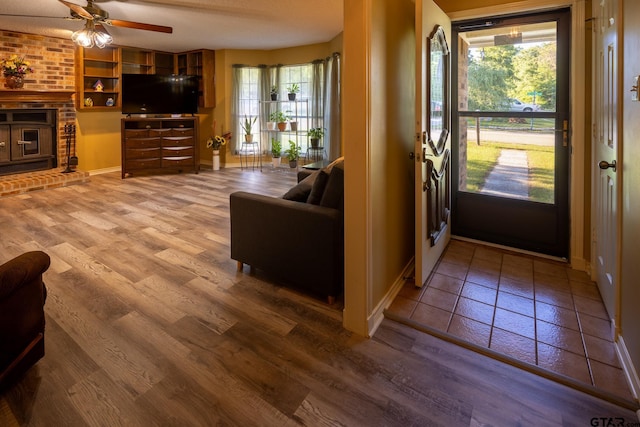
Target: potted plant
[281,120]
[292,90]
[215,143]
[315,134]
[247,126]
[293,153]
[274,93]
[271,124]
[293,124]
[276,151]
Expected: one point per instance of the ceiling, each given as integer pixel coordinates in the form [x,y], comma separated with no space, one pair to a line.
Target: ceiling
[197,24]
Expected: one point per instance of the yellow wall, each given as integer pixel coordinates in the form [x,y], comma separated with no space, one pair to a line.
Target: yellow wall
[378,125]
[98,140]
[392,130]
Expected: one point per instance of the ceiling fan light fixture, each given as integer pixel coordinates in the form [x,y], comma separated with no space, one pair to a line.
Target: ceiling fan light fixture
[89,36]
[102,38]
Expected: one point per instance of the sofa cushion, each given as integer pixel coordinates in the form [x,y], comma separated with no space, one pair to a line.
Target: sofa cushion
[334,190]
[300,192]
[317,190]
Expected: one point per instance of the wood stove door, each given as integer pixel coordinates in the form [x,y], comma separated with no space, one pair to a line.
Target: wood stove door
[31,142]
[5,143]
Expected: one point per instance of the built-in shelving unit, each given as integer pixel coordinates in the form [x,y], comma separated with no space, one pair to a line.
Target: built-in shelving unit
[137,61]
[98,66]
[200,63]
[106,66]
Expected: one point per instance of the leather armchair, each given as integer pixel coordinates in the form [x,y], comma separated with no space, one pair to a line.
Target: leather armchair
[22,297]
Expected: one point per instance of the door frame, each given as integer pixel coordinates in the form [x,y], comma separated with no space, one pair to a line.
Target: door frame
[580,157]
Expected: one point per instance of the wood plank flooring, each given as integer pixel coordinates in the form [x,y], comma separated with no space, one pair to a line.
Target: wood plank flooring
[148,323]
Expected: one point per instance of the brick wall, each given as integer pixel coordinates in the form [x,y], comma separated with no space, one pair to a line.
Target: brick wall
[53,62]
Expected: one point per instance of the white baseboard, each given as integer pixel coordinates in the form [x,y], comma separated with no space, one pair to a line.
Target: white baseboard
[376,317]
[629,369]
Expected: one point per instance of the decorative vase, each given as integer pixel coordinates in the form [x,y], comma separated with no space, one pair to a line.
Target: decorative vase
[274,96]
[275,161]
[14,82]
[292,96]
[216,160]
[282,126]
[248,137]
[271,125]
[293,164]
[315,142]
[293,126]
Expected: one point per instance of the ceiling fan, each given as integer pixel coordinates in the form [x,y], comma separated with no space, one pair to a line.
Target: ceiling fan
[91,12]
[94,32]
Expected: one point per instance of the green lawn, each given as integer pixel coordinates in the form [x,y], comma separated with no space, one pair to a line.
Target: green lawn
[482,158]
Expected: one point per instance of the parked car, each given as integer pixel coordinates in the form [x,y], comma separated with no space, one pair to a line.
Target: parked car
[517,105]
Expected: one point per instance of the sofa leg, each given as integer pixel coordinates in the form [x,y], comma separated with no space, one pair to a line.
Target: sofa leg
[331,300]
[240,266]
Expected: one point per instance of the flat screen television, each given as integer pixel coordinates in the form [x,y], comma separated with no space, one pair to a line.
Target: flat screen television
[159,94]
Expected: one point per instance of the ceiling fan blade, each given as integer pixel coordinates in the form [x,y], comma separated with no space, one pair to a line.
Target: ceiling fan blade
[138,25]
[17,15]
[79,10]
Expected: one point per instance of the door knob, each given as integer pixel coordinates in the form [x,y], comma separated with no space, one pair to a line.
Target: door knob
[606,165]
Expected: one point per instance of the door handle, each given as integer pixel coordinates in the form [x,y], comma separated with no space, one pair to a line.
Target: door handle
[20,142]
[606,165]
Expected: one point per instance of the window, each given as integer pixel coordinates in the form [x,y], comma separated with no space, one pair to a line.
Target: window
[248,98]
[253,86]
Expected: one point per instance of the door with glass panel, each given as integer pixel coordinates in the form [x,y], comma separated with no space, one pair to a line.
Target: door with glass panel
[510,129]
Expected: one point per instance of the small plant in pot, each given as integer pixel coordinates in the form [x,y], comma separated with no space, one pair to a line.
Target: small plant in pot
[315,134]
[293,124]
[276,151]
[292,90]
[274,93]
[271,124]
[247,127]
[293,153]
[281,120]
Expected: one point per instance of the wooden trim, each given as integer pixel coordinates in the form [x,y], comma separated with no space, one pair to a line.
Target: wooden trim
[21,356]
[22,96]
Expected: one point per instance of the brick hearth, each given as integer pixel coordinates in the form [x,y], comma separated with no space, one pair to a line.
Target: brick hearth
[31,181]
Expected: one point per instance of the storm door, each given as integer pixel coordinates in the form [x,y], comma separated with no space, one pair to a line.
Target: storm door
[511,131]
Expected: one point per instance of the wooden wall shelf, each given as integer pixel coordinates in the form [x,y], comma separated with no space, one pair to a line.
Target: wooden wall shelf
[25,95]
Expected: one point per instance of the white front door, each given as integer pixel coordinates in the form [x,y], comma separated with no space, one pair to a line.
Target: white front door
[428,16]
[606,111]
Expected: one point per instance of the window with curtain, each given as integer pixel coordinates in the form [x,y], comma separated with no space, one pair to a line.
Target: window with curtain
[248,100]
[253,84]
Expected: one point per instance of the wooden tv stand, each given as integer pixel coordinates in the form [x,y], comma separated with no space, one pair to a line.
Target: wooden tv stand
[159,144]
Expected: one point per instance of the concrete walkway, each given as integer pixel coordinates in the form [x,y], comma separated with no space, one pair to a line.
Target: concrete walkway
[510,176]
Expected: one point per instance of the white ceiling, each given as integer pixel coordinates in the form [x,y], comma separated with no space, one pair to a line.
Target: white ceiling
[197,24]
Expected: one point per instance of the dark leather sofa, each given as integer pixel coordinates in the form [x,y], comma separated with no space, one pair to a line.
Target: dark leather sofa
[299,238]
[22,297]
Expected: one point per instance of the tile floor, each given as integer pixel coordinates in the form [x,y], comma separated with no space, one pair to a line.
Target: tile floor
[533,309]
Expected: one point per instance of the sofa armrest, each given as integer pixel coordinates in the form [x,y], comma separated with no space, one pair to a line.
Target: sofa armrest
[22,269]
[297,241]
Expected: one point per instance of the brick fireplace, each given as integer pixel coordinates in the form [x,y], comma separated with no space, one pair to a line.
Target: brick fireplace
[38,110]
[50,87]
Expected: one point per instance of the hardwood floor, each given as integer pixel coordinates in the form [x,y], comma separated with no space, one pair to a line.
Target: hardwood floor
[148,323]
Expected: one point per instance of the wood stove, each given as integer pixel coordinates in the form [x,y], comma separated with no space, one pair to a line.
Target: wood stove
[28,140]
